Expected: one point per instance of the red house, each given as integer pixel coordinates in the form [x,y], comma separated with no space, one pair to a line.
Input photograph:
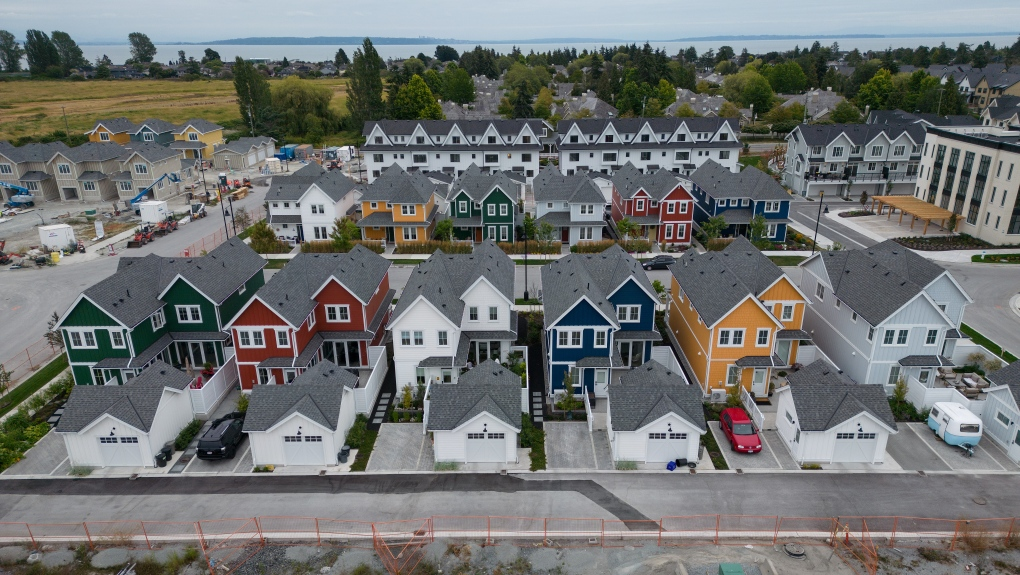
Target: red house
[319,306]
[659,203]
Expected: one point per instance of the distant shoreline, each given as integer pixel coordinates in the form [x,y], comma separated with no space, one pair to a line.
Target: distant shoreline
[401,41]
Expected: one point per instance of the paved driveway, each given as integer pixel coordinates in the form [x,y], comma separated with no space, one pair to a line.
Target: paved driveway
[911,452]
[402,447]
[762,460]
[987,455]
[241,463]
[569,445]
[43,459]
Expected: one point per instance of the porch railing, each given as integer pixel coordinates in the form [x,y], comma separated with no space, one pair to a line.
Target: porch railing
[206,394]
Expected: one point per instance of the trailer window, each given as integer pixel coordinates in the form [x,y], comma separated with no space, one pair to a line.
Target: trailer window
[970,428]
[934,412]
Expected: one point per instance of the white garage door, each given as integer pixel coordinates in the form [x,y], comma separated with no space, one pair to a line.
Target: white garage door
[120,452]
[486,447]
[251,159]
[664,447]
[303,450]
[855,448]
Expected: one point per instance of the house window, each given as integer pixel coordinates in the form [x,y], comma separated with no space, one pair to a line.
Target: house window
[491,158]
[820,292]
[731,337]
[628,313]
[473,313]
[574,157]
[311,319]
[586,209]
[894,374]
[504,209]
[931,337]
[586,233]
[61,169]
[408,209]
[410,234]
[83,339]
[318,209]
[192,137]
[888,337]
[189,314]
[901,337]
[87,186]
[853,317]
[125,186]
[282,338]
[877,150]
[117,339]
[7,169]
[600,338]
[493,313]
[454,158]
[763,338]
[898,150]
[158,320]
[1003,418]
[338,313]
[462,206]
[871,333]
[609,157]
[771,230]
[250,338]
[789,418]
[378,158]
[669,232]
[419,338]
[837,151]
[569,338]
[104,137]
[504,233]
[141,169]
[646,156]
[724,155]
[419,158]
[839,303]
[787,314]
[405,338]
[491,209]
[683,207]
[732,375]
[443,338]
[771,207]
[671,207]
[320,232]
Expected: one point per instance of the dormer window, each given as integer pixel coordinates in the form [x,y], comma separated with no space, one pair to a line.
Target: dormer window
[456,139]
[492,139]
[609,139]
[644,137]
[723,137]
[681,137]
[378,139]
[573,139]
[419,140]
[525,139]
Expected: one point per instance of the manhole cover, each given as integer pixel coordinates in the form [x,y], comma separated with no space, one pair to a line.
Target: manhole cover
[794,550]
[980,500]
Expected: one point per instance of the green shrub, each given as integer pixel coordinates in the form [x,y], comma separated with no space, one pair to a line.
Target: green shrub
[187,434]
[446,466]
[533,438]
[358,432]
[597,247]
[365,451]
[534,247]
[328,247]
[626,466]
[242,402]
[429,247]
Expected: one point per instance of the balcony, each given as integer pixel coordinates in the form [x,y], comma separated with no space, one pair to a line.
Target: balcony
[859,178]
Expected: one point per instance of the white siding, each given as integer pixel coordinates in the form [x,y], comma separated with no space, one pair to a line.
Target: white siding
[348,412]
[633,445]
[405,160]
[267,446]
[423,317]
[452,445]
[172,415]
[944,291]
[818,446]
[483,296]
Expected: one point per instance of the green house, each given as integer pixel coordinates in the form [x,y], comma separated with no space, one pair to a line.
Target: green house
[483,206]
[159,308]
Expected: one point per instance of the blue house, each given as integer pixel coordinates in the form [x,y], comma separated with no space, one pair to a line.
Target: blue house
[599,319]
[738,198]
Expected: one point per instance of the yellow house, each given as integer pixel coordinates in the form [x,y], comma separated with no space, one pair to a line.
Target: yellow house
[736,317]
[399,207]
[197,138]
[116,130]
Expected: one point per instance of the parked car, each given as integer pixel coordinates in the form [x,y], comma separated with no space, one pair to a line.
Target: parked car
[739,430]
[222,438]
[659,263]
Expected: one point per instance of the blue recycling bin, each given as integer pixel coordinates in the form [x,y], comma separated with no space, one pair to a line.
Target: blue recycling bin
[671,466]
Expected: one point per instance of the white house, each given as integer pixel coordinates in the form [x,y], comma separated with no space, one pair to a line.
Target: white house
[455,311]
[303,423]
[126,425]
[824,417]
[1001,410]
[655,416]
[573,205]
[477,419]
[303,210]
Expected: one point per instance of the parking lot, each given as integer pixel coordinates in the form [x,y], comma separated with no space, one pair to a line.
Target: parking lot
[988,456]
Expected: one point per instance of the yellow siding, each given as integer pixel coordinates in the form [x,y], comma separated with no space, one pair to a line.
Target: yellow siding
[371,234]
[420,212]
[209,139]
[750,317]
[692,335]
[121,138]
[785,292]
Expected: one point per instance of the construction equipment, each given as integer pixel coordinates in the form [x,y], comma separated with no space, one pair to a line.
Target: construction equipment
[22,196]
[166,226]
[141,195]
[144,235]
[4,257]
[197,211]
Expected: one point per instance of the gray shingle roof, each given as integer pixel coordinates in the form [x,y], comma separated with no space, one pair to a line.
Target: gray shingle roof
[628,180]
[156,125]
[716,281]
[552,186]
[443,278]
[150,152]
[633,125]
[825,398]
[203,126]
[135,403]
[115,125]
[316,394]
[596,276]
[289,292]
[94,152]
[859,134]
[489,388]
[858,277]
[443,127]
[396,186]
[477,184]
[1004,107]
[243,145]
[718,182]
[334,184]
[32,152]
[222,271]
[650,391]
[1010,376]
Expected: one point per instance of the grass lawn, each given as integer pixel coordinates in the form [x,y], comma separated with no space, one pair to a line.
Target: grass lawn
[987,343]
[33,107]
[361,459]
[788,261]
[33,384]
[996,259]
[751,161]
[275,264]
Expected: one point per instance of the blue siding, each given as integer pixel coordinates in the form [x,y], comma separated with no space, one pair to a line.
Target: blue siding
[587,348]
[582,314]
[632,294]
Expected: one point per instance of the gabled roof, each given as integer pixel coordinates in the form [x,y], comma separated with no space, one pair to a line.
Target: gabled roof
[719,182]
[876,282]
[203,126]
[396,186]
[716,282]
[489,388]
[289,292]
[243,145]
[628,180]
[135,403]
[477,184]
[1004,107]
[156,125]
[315,394]
[334,184]
[150,152]
[443,278]
[552,186]
[647,393]
[94,152]
[132,294]
[860,134]
[1008,376]
[825,398]
[32,152]
[115,125]
[633,125]
[593,276]
[443,127]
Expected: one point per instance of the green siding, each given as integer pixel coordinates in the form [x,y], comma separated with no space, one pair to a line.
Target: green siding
[142,336]
[87,314]
[235,302]
[82,374]
[455,207]
[498,198]
[181,293]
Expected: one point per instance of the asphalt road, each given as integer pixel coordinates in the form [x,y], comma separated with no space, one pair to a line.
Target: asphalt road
[991,286]
[806,213]
[621,496]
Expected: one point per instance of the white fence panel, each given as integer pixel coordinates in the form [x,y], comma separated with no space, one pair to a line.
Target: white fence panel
[965,347]
[587,411]
[205,399]
[365,396]
[924,397]
[664,355]
[752,409]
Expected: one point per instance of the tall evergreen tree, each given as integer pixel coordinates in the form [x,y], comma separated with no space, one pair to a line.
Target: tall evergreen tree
[70,53]
[40,51]
[10,52]
[341,58]
[254,99]
[142,49]
[364,93]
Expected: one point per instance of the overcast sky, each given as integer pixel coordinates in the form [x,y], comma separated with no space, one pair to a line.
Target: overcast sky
[205,20]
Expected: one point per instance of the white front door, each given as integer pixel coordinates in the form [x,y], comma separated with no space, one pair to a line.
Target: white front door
[663,447]
[855,448]
[303,450]
[120,451]
[601,383]
[759,383]
[486,447]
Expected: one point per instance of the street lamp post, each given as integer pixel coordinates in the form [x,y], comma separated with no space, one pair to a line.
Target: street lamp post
[821,200]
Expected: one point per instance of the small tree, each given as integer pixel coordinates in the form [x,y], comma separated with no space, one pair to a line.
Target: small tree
[899,393]
[5,379]
[733,395]
[951,223]
[242,218]
[406,397]
[658,287]
[545,233]
[864,199]
[713,227]
[757,229]
[626,227]
[242,402]
[569,399]
[263,238]
[345,231]
[53,336]
[528,227]
[444,230]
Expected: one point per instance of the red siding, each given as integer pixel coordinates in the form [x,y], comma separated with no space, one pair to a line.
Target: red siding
[378,299]
[334,294]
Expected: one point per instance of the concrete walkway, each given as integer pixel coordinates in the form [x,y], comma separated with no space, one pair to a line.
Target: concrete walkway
[569,445]
[402,447]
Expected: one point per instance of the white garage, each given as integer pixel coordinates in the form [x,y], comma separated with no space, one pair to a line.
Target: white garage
[477,419]
[825,417]
[126,425]
[654,416]
[304,422]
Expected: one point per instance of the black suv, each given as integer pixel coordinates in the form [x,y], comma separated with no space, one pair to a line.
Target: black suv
[222,438]
[661,262]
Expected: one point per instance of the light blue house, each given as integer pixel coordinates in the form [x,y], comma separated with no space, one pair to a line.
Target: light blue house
[599,319]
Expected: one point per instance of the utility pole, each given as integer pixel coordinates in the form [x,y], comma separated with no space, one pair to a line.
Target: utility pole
[67,130]
[821,200]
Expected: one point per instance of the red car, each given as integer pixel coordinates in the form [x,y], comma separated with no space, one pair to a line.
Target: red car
[739,430]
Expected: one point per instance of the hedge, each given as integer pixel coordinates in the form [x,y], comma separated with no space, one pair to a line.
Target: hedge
[534,247]
[642,246]
[431,246]
[327,247]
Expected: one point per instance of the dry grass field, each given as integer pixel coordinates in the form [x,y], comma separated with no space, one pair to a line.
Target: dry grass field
[33,107]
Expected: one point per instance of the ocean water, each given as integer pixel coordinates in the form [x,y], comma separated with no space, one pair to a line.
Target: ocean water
[166,52]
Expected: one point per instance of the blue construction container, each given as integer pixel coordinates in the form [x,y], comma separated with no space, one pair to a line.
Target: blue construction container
[288,151]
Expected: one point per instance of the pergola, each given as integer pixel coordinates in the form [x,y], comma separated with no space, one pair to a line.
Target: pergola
[918,210]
